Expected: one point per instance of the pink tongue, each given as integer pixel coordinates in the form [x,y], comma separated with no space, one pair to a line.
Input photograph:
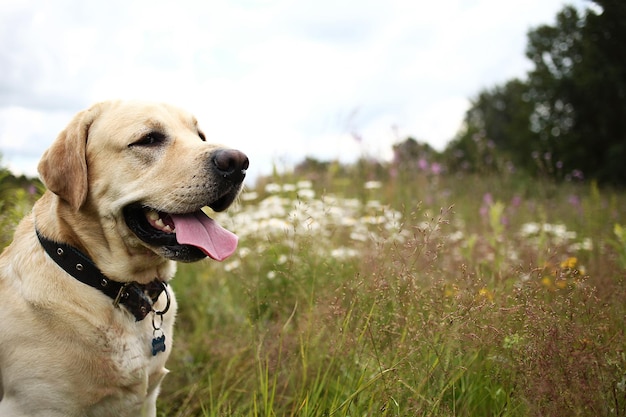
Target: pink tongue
[199,230]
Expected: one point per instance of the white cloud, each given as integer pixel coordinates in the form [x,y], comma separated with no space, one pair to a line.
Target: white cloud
[278,79]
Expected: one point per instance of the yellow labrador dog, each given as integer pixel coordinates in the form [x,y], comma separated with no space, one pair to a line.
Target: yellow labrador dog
[86,314]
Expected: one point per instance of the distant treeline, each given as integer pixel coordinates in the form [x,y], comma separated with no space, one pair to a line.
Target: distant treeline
[568,118]
[8,182]
[566,121]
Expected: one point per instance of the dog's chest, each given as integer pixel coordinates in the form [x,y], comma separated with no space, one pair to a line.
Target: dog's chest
[124,370]
[124,352]
[127,351]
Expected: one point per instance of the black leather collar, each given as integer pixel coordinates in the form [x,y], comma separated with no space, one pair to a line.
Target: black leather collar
[137,298]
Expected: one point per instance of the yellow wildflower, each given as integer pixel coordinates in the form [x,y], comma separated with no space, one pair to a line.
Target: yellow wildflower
[569,263]
[561,283]
[486,293]
[450,290]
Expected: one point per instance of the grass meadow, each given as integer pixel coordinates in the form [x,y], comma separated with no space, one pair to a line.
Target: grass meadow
[417,294]
[413,295]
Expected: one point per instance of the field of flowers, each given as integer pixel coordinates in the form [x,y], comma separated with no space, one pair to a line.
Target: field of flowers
[413,294]
[417,296]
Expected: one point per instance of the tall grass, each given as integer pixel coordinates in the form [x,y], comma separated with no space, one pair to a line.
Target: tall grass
[414,294]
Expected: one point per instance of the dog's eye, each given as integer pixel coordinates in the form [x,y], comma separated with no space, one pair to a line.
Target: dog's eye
[202,136]
[150,139]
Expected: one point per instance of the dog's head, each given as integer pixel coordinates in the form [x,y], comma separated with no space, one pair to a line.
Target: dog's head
[143,172]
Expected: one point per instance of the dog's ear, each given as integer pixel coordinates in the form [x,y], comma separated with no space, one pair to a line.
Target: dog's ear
[63,167]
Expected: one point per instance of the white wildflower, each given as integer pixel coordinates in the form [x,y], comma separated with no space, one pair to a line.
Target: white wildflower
[362,237]
[344,253]
[306,194]
[586,244]
[249,196]
[243,252]
[232,265]
[530,229]
[272,188]
[456,236]
[373,185]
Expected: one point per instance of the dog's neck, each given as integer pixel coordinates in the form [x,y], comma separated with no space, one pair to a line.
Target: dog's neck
[101,239]
[138,299]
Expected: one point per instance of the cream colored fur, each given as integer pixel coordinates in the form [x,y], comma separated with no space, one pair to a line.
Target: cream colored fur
[65,350]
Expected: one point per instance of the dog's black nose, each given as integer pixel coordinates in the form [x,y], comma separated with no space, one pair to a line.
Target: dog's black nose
[231,164]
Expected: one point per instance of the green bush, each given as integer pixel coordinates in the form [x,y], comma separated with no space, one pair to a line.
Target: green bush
[17,196]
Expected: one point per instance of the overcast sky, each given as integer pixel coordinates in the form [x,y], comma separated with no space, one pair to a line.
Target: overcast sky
[277,79]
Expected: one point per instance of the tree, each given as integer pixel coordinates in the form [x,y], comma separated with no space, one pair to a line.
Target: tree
[570,114]
[496,132]
[555,51]
[579,86]
[598,93]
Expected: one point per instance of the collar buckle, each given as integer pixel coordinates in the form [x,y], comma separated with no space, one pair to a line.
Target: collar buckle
[122,294]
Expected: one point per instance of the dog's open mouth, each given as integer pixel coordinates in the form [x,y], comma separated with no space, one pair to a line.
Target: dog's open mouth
[186,237]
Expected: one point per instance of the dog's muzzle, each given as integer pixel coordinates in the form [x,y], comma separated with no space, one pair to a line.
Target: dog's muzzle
[192,235]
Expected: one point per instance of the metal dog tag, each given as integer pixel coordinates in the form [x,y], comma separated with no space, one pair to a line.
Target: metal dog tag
[158,344]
